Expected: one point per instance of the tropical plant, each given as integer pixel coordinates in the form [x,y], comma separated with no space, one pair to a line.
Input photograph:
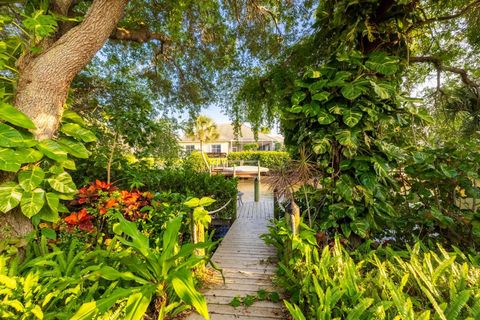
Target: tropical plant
[160,276]
[202,129]
[39,181]
[366,283]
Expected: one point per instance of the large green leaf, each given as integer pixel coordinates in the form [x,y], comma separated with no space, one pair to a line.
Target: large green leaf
[183,285]
[352,91]
[382,90]
[344,190]
[382,63]
[360,227]
[32,202]
[76,149]
[9,160]
[72,116]
[381,167]
[88,310]
[40,24]
[324,117]
[10,196]
[348,138]
[294,311]
[449,172]
[351,117]
[317,86]
[322,145]
[30,179]
[62,183]
[53,150]
[14,116]
[138,303]
[10,137]
[28,155]
[298,97]
[52,200]
[78,132]
[47,214]
[139,240]
[321,96]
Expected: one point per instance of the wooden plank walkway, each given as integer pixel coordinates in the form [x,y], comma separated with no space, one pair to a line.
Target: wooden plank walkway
[248,265]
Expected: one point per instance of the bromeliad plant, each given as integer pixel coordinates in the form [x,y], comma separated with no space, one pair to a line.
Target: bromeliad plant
[163,277]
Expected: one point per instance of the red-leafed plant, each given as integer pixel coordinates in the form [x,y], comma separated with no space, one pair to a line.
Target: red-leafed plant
[95,203]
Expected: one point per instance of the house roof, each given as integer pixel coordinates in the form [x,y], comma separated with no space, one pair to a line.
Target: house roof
[226,133]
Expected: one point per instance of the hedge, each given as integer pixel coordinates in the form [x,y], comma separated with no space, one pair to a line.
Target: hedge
[267,158]
[196,184]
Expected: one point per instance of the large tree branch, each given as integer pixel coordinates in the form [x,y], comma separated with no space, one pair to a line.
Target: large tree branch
[438,63]
[461,12]
[139,35]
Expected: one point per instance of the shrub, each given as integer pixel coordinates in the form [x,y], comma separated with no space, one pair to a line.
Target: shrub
[191,184]
[268,159]
[194,161]
[326,282]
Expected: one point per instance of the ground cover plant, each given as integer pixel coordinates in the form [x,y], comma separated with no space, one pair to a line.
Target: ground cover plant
[115,253]
[328,281]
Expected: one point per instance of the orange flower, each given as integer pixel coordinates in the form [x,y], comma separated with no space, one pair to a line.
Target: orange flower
[102,211]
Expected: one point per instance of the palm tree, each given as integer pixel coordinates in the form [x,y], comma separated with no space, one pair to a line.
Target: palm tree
[204,130]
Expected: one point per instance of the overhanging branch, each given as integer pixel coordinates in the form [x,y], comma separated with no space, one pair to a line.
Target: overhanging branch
[140,35]
[472,5]
[438,63]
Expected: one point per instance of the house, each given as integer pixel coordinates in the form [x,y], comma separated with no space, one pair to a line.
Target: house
[227,142]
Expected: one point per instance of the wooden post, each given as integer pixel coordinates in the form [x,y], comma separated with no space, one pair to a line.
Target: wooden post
[258,173]
[276,207]
[256,189]
[295,218]
[198,236]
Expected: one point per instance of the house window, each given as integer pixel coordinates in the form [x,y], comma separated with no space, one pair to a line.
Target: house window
[216,148]
[189,148]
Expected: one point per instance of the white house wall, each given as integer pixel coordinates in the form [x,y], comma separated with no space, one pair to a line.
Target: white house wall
[207,147]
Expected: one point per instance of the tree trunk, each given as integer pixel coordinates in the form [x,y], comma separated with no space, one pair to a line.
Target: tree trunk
[44,79]
[205,158]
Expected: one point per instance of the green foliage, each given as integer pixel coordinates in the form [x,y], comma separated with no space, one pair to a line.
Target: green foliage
[330,282]
[119,282]
[194,161]
[250,147]
[269,159]
[190,184]
[261,295]
[39,166]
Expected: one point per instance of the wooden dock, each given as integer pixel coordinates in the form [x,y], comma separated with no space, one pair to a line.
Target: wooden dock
[248,265]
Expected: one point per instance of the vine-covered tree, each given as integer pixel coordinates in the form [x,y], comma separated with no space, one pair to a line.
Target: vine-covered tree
[179,49]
